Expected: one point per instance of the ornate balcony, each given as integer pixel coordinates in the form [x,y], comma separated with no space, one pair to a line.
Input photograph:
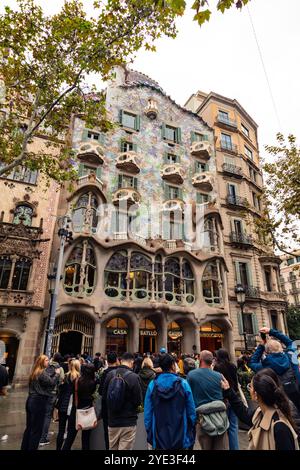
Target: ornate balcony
[151,109]
[90,150]
[18,298]
[237,201]
[241,239]
[274,296]
[128,161]
[201,149]
[203,181]
[252,292]
[90,179]
[173,205]
[233,170]
[127,196]
[226,122]
[173,172]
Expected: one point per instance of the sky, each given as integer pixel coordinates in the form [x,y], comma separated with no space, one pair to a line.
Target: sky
[223,56]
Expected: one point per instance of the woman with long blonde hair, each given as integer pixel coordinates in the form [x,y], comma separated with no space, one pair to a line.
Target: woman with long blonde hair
[40,388]
[65,399]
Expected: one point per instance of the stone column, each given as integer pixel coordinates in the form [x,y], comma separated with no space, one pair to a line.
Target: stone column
[281,325]
[97,335]
[197,340]
[13,264]
[273,279]
[230,345]
[135,336]
[162,340]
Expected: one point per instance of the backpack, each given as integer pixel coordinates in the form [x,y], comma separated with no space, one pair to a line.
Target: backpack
[289,383]
[116,391]
[213,418]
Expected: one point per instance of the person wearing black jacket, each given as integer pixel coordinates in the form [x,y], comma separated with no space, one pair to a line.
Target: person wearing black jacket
[86,388]
[113,363]
[272,423]
[3,379]
[229,371]
[40,389]
[122,424]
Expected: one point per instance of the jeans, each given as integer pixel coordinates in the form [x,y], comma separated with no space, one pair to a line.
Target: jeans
[233,430]
[35,416]
[48,417]
[72,433]
[62,421]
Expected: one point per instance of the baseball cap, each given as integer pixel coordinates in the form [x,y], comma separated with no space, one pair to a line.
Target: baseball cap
[162,350]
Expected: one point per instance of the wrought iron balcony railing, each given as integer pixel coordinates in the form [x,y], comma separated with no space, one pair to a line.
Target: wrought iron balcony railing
[232,169]
[237,201]
[241,238]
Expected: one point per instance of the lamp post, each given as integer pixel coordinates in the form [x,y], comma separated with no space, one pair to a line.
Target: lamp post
[241,297]
[55,278]
[51,285]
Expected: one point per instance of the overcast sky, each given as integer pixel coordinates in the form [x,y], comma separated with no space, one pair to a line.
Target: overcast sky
[222,56]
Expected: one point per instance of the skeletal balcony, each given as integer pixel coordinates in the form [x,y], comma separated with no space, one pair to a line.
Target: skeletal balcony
[203,181]
[128,161]
[126,196]
[89,150]
[173,172]
[201,149]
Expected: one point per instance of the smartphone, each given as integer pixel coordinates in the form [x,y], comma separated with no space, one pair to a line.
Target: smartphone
[263,336]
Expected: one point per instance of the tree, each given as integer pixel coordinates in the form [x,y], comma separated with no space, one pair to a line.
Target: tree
[293,322]
[44,63]
[281,215]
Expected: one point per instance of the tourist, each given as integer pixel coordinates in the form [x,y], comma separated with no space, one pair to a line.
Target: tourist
[280,361]
[137,365]
[65,400]
[206,387]
[3,380]
[54,364]
[229,371]
[146,374]
[169,408]
[113,363]
[40,389]
[123,394]
[86,387]
[188,364]
[272,425]
[98,362]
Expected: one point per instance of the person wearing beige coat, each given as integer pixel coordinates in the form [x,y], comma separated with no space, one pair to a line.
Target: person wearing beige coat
[272,424]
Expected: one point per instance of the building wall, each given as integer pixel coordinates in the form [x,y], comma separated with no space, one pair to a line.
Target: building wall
[21,312]
[290,278]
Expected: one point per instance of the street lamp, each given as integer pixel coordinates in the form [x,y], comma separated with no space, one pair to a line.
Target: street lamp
[51,286]
[241,298]
[54,280]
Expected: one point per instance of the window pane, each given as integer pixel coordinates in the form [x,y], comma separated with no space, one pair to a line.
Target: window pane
[171,133]
[5,268]
[128,120]
[23,213]
[21,275]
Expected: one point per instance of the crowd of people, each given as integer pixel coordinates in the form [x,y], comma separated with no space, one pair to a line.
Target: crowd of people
[201,396]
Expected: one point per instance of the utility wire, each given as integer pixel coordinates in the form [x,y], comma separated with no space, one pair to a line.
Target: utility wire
[265,70]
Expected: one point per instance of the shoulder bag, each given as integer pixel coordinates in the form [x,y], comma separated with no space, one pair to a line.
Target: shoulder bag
[86,417]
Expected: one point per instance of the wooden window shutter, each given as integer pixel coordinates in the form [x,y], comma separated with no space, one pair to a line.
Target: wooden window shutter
[80,170]
[178,135]
[180,194]
[193,136]
[240,323]
[137,123]
[205,137]
[254,324]
[84,137]
[249,274]
[120,181]
[134,147]
[166,157]
[135,183]
[121,116]
[163,131]
[98,172]
[237,272]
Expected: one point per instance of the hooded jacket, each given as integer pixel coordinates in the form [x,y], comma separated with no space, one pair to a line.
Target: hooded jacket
[279,362]
[146,374]
[169,413]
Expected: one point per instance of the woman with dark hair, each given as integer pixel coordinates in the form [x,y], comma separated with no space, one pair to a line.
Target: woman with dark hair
[272,424]
[86,387]
[40,389]
[137,365]
[229,371]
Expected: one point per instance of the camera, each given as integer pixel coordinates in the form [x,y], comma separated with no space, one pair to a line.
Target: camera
[263,336]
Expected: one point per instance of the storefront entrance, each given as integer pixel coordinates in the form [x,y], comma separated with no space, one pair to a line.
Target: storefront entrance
[148,336]
[70,343]
[116,336]
[211,337]
[175,338]
[11,352]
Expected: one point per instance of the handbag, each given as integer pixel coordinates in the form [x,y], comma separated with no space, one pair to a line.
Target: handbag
[243,398]
[85,417]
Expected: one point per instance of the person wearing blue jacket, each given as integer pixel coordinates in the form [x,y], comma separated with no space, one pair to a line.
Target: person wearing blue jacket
[271,354]
[169,410]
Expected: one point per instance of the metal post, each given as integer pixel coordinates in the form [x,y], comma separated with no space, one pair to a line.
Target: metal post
[244,331]
[63,233]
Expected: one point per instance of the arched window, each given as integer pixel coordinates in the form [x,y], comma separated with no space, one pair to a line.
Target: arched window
[5,268]
[138,277]
[21,274]
[85,213]
[23,213]
[80,271]
[212,284]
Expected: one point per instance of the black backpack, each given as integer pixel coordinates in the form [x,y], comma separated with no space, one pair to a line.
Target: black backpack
[289,383]
[116,391]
